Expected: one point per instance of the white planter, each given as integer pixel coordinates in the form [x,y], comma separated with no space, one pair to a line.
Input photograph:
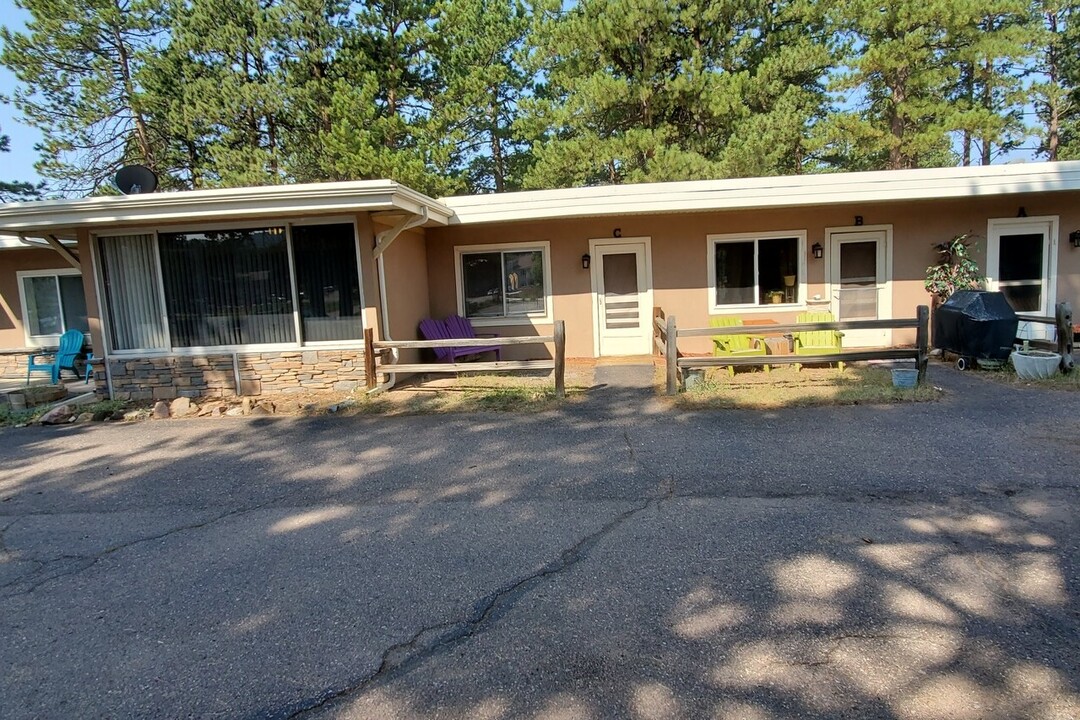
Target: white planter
[1035,364]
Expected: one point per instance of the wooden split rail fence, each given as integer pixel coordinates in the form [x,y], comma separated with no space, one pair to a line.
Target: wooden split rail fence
[373,348]
[1064,332]
[667,334]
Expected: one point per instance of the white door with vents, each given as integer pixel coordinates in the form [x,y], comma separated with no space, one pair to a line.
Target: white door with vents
[622,295]
[859,275]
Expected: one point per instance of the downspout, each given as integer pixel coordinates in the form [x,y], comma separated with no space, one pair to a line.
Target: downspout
[382,242]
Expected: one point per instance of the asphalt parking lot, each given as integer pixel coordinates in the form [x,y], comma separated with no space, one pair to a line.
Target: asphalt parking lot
[615,559]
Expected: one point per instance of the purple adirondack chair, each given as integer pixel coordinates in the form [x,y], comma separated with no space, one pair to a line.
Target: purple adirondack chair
[453,328]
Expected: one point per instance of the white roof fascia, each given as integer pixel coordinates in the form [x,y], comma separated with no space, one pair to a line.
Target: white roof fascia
[276,200]
[15,242]
[770,192]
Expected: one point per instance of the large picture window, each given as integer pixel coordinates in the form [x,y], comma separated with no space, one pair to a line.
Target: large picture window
[52,303]
[327,283]
[756,270]
[504,282]
[227,287]
[233,287]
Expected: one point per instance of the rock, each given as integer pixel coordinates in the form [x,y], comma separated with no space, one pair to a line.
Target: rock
[118,415]
[133,415]
[102,415]
[268,406]
[217,411]
[183,407]
[235,411]
[57,416]
[260,409]
[84,417]
[245,405]
[161,410]
[342,405]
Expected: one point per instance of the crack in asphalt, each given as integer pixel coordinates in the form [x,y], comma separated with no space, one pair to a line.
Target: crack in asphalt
[88,561]
[432,639]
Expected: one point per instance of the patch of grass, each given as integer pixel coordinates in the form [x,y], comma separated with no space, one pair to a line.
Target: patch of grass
[1006,375]
[472,398]
[9,417]
[109,406]
[784,387]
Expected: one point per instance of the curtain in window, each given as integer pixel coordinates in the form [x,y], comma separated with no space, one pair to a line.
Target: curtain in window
[327,282]
[131,292]
[227,287]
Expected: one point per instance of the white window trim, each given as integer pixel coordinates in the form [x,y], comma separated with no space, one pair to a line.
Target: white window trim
[546,318]
[800,271]
[38,341]
[996,227]
[288,224]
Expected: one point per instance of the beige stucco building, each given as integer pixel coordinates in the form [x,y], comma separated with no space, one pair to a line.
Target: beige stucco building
[257,290]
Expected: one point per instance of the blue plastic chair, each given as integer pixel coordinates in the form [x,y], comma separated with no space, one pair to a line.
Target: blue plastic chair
[71,344]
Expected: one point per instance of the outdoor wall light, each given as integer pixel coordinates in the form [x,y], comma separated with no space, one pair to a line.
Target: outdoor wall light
[819,252]
[1074,238]
[585,261]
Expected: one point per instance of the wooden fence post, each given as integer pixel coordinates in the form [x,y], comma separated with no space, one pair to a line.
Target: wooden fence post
[560,359]
[1063,320]
[657,313]
[922,338]
[671,354]
[369,358]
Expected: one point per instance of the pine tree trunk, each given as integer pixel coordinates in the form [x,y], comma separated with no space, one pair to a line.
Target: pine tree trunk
[142,136]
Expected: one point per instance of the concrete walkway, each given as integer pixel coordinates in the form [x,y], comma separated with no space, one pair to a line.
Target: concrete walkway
[607,560]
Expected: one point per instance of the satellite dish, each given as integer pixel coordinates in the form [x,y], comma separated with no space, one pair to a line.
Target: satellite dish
[136,180]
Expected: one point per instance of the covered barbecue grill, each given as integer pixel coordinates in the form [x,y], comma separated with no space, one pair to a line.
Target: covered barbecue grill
[975,325]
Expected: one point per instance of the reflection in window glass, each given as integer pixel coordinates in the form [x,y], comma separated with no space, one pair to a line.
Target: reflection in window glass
[756,272]
[523,273]
[504,284]
[1021,257]
[227,287]
[54,304]
[327,282]
[43,306]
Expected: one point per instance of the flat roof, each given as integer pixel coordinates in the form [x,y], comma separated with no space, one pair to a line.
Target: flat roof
[62,217]
[41,216]
[767,192]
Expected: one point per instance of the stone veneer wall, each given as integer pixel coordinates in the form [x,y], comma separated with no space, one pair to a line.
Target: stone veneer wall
[13,364]
[281,372]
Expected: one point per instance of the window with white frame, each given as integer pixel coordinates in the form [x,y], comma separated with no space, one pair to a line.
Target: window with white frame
[499,282]
[756,270]
[280,285]
[52,303]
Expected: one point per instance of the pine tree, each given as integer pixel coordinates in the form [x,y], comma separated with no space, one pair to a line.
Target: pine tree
[233,86]
[1055,91]
[897,75]
[482,85]
[79,63]
[990,43]
[643,90]
[380,123]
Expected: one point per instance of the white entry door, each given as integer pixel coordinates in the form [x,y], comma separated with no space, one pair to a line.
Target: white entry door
[859,277]
[1020,262]
[622,289]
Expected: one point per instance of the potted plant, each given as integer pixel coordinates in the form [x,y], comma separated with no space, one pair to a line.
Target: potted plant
[775,296]
[955,270]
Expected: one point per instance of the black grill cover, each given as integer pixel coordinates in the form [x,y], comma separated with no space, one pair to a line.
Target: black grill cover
[976,324]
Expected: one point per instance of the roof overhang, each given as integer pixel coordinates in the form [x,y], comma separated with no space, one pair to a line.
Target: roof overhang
[64,216]
[16,242]
[771,192]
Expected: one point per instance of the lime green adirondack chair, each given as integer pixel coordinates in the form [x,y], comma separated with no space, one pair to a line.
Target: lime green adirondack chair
[736,345]
[817,342]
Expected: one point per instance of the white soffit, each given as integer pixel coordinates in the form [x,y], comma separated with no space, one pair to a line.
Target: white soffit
[14,242]
[770,192]
[202,205]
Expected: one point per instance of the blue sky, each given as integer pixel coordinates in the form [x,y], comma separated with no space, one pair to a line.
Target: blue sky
[19,163]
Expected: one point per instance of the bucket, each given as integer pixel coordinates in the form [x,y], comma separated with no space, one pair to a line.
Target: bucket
[904,378]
